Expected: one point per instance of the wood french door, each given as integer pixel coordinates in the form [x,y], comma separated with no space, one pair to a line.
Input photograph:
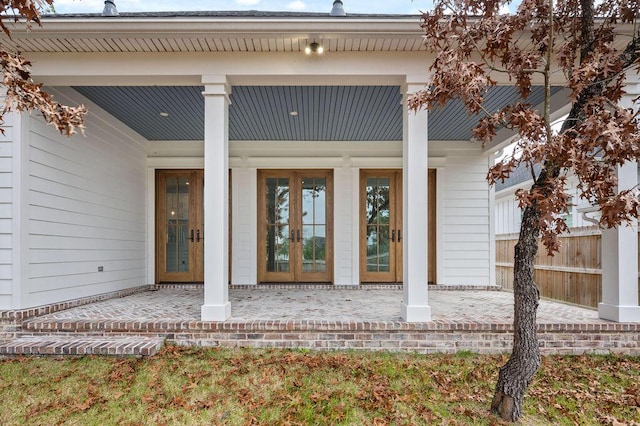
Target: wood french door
[295,226]
[381,230]
[179,226]
[380,226]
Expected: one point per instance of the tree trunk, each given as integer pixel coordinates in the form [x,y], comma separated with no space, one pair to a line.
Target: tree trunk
[516,375]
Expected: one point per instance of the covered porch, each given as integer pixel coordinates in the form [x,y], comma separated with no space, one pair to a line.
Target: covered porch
[220,96]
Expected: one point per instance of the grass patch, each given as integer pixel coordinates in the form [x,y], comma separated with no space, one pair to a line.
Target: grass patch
[238,387]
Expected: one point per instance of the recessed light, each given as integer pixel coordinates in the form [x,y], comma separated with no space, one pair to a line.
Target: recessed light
[293,113]
[164,114]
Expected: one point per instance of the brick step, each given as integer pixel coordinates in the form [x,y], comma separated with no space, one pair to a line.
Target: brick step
[82,345]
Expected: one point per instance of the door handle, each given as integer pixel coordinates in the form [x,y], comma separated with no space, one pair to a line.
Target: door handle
[198,236]
[298,234]
[393,236]
[399,235]
[293,238]
[191,238]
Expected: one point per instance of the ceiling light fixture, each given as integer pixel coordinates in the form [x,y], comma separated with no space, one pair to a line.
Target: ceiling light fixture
[293,113]
[164,114]
[314,48]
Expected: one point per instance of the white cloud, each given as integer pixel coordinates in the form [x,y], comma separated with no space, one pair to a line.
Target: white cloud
[296,5]
[247,2]
[70,6]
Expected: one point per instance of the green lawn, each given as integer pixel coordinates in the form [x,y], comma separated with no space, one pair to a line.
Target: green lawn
[242,387]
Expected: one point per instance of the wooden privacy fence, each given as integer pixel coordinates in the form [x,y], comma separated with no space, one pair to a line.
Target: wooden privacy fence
[573,275]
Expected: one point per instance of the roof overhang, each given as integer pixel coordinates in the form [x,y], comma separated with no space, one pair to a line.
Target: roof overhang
[191,32]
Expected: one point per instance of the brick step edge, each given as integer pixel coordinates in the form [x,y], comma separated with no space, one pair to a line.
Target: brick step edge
[60,345]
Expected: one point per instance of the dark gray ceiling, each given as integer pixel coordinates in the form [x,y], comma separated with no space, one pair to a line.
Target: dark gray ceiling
[325,113]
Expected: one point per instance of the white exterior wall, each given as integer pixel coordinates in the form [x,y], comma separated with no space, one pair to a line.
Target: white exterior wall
[508,215]
[466,241]
[11,127]
[463,219]
[345,180]
[244,224]
[84,207]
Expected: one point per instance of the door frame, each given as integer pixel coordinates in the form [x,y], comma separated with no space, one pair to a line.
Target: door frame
[295,274]
[394,275]
[196,213]
[432,227]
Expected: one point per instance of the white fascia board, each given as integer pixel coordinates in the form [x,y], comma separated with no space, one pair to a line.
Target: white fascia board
[511,190]
[400,27]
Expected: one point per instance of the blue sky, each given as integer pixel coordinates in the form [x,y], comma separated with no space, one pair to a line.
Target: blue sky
[353,6]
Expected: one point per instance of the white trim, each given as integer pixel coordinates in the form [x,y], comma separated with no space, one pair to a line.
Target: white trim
[440,181]
[175,162]
[323,149]
[355,219]
[436,162]
[20,212]
[237,26]
[377,162]
[151,225]
[292,162]
[314,162]
[492,227]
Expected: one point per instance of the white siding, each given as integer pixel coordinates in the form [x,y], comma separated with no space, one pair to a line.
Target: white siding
[508,215]
[465,213]
[11,127]
[244,256]
[86,208]
[343,201]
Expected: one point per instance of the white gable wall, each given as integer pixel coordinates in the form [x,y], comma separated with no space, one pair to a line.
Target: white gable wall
[11,127]
[508,214]
[465,206]
[85,208]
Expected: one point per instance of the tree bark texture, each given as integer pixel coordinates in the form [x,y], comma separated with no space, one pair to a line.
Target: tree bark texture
[516,375]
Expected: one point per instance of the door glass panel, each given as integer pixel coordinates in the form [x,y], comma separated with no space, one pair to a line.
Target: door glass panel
[277,202]
[177,224]
[314,191]
[378,212]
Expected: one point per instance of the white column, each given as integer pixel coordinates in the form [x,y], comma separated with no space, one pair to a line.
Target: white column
[620,263]
[216,199]
[415,306]
[620,246]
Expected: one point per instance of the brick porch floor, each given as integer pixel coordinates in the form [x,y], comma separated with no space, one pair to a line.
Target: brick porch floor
[326,317]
